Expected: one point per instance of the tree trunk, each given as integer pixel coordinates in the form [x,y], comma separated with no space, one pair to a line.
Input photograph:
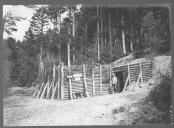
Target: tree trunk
[110,36]
[68,46]
[73,32]
[123,37]
[101,29]
[105,43]
[60,47]
[98,43]
[69,69]
[131,41]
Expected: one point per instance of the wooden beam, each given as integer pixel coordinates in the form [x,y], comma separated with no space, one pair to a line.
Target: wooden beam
[40,90]
[84,79]
[62,81]
[129,73]
[70,86]
[141,72]
[138,80]
[110,76]
[37,89]
[93,82]
[51,86]
[126,83]
[100,79]
[56,87]
[43,92]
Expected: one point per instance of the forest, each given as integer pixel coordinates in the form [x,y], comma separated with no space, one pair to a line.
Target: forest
[87,34]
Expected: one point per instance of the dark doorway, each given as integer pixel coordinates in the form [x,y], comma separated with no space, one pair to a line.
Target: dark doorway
[120,78]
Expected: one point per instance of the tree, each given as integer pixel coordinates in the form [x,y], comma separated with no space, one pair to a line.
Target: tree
[54,12]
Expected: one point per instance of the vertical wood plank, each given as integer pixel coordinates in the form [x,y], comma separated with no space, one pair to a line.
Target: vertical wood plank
[54,73]
[110,76]
[59,82]
[70,85]
[84,80]
[100,79]
[129,73]
[141,74]
[93,82]
[126,84]
[62,82]
[40,90]
[42,95]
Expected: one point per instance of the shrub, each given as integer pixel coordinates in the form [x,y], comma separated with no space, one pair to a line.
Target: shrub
[161,95]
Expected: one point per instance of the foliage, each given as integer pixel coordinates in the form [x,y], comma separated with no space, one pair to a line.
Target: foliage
[144,28]
[161,94]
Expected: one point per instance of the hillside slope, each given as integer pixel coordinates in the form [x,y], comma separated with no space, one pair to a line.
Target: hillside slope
[20,110]
[131,107]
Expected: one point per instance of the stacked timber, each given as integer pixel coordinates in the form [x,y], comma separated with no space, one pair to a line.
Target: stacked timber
[134,72]
[89,83]
[146,70]
[77,86]
[97,80]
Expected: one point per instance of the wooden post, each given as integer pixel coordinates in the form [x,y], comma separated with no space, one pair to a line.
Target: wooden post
[40,89]
[54,73]
[59,83]
[138,80]
[37,89]
[70,86]
[129,73]
[141,72]
[100,79]
[110,76]
[57,86]
[62,82]
[93,82]
[50,87]
[43,92]
[126,83]
[84,80]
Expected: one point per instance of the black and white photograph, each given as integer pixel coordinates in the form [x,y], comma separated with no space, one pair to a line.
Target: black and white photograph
[86,65]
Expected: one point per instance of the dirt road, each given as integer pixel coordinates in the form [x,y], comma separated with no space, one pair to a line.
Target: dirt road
[21,109]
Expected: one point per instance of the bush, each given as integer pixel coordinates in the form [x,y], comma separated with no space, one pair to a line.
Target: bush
[161,95]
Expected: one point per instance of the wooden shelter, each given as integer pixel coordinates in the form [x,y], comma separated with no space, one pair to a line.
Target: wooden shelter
[70,82]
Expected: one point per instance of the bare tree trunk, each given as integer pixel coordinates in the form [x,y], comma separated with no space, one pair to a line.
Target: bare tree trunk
[102,39]
[131,41]
[110,36]
[123,38]
[60,47]
[105,43]
[68,46]
[69,64]
[86,38]
[98,43]
[73,32]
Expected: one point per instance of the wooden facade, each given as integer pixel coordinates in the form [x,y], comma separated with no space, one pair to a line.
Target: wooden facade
[94,79]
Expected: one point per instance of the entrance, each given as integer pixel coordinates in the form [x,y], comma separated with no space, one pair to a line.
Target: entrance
[120,79]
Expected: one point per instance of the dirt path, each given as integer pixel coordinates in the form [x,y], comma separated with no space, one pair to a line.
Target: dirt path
[25,111]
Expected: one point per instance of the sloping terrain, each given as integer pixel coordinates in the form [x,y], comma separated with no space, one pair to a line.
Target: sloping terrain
[20,109]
